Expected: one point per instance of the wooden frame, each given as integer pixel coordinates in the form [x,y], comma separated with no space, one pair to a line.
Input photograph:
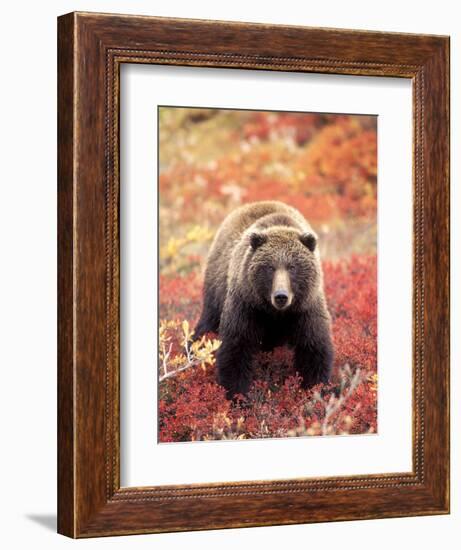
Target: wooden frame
[91,49]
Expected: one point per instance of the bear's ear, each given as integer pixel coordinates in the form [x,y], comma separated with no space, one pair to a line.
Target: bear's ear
[257,239]
[308,240]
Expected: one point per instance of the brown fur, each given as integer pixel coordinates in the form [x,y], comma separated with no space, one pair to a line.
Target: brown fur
[240,298]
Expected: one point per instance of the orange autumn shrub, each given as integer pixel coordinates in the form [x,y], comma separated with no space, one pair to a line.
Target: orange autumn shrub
[333,174]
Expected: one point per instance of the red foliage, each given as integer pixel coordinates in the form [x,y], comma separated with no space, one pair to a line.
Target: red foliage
[191,414]
[350,287]
[180,297]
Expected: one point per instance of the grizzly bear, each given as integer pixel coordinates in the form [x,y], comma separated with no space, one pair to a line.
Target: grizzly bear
[264,288]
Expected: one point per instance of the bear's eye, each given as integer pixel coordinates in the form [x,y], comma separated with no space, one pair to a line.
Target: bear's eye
[291,267]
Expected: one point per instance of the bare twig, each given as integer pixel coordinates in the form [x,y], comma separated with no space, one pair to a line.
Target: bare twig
[181,369]
[166,355]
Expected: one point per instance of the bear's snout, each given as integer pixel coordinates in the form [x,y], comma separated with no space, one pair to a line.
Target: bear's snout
[280,298]
[282,295]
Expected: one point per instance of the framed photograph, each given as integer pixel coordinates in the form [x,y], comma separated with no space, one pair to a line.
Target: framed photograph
[253,258]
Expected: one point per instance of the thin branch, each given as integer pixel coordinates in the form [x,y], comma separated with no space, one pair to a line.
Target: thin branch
[166,356]
[177,371]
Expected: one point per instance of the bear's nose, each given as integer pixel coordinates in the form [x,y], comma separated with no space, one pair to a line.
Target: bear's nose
[280,298]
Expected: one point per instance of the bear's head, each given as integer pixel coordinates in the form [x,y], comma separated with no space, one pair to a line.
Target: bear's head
[283,270]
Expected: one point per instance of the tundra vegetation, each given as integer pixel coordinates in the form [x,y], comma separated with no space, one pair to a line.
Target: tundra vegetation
[212,161]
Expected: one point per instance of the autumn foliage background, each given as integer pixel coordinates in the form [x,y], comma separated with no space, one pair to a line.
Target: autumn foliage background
[212,161]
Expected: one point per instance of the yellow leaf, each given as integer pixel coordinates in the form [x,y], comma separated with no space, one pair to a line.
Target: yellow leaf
[185,326]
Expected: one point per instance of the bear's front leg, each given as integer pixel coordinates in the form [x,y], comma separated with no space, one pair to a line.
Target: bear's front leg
[234,365]
[239,341]
[314,352]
